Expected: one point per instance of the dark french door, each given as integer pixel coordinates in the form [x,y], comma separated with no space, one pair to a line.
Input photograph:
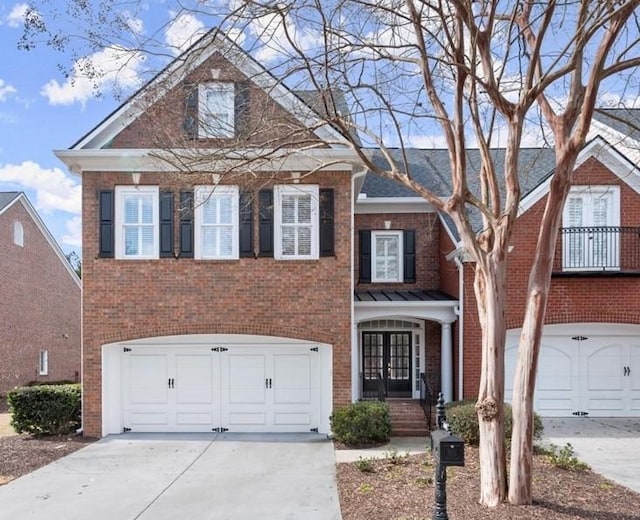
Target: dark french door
[387,354]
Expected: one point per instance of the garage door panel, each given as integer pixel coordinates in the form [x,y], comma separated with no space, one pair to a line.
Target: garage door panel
[238,421]
[634,366]
[555,366]
[292,419]
[148,376]
[603,368]
[245,380]
[291,379]
[193,379]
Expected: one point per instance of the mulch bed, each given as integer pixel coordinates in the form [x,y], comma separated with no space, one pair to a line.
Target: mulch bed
[22,454]
[402,488]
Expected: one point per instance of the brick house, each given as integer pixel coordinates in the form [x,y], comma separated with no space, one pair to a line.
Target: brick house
[261,299]
[40,298]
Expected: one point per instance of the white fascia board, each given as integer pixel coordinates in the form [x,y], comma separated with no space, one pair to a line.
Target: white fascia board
[173,74]
[608,155]
[442,311]
[377,205]
[48,237]
[151,160]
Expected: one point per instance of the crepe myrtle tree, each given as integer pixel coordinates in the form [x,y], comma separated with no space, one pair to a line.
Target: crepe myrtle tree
[394,74]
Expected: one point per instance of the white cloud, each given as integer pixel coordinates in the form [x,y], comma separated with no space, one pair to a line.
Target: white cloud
[16,17]
[115,67]
[55,191]
[6,90]
[73,237]
[183,31]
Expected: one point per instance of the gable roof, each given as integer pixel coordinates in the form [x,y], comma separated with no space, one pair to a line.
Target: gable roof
[6,199]
[212,42]
[12,197]
[626,121]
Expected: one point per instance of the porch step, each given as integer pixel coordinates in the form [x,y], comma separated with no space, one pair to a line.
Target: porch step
[407,418]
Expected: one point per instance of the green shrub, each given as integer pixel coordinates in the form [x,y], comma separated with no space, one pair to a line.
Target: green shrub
[564,458]
[463,420]
[365,465]
[362,423]
[46,409]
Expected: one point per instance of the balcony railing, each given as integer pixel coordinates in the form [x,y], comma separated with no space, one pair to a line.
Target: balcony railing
[598,249]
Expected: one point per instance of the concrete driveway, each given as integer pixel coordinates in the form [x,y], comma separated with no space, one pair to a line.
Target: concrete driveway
[183,476]
[610,446]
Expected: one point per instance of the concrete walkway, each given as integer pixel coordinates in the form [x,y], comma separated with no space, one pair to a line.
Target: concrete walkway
[398,445]
[183,476]
[610,446]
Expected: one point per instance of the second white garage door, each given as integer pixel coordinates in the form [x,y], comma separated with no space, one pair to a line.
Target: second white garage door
[584,369]
[236,388]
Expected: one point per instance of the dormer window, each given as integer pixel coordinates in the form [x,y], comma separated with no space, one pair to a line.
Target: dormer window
[216,110]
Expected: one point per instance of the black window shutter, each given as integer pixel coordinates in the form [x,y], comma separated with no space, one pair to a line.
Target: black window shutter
[186,224]
[190,124]
[326,223]
[106,237]
[365,255]
[246,224]
[242,109]
[265,199]
[409,256]
[166,224]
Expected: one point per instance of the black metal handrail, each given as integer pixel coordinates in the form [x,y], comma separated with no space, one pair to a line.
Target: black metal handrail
[599,248]
[427,398]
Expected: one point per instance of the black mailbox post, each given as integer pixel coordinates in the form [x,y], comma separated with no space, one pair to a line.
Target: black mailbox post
[447,450]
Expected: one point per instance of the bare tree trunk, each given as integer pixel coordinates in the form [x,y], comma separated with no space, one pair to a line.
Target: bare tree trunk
[529,346]
[490,292]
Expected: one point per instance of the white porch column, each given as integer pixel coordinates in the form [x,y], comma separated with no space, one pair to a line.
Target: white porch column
[355,373]
[446,361]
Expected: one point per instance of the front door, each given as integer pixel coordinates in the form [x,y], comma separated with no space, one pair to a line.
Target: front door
[388,355]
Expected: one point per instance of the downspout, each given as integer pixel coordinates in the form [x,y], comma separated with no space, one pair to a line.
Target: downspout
[459,310]
[355,369]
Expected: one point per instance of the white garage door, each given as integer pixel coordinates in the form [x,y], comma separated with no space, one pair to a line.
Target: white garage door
[585,369]
[237,388]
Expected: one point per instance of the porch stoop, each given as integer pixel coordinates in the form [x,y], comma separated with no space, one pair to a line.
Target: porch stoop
[407,418]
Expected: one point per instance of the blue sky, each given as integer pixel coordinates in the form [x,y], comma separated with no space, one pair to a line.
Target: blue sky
[42,111]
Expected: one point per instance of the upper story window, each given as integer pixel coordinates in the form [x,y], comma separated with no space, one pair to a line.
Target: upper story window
[18,234]
[386,257]
[216,222]
[591,228]
[216,110]
[296,219]
[137,222]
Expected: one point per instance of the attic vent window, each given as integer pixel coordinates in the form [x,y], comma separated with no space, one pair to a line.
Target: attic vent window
[18,234]
[216,110]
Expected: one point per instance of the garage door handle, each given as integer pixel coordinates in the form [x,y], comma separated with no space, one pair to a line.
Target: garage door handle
[171,381]
[267,383]
[627,371]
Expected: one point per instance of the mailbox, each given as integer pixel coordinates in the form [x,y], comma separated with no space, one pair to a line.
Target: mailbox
[447,449]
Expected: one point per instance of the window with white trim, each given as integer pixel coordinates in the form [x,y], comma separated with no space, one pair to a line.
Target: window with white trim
[18,234]
[386,256]
[137,217]
[43,363]
[216,110]
[296,217]
[216,222]
[591,233]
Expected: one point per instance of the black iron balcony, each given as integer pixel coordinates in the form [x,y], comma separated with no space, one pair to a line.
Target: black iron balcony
[609,249]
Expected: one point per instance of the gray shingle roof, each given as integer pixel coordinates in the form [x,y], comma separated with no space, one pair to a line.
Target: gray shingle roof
[623,120]
[7,197]
[430,167]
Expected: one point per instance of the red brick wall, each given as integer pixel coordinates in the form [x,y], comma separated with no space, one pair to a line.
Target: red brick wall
[128,299]
[39,306]
[575,299]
